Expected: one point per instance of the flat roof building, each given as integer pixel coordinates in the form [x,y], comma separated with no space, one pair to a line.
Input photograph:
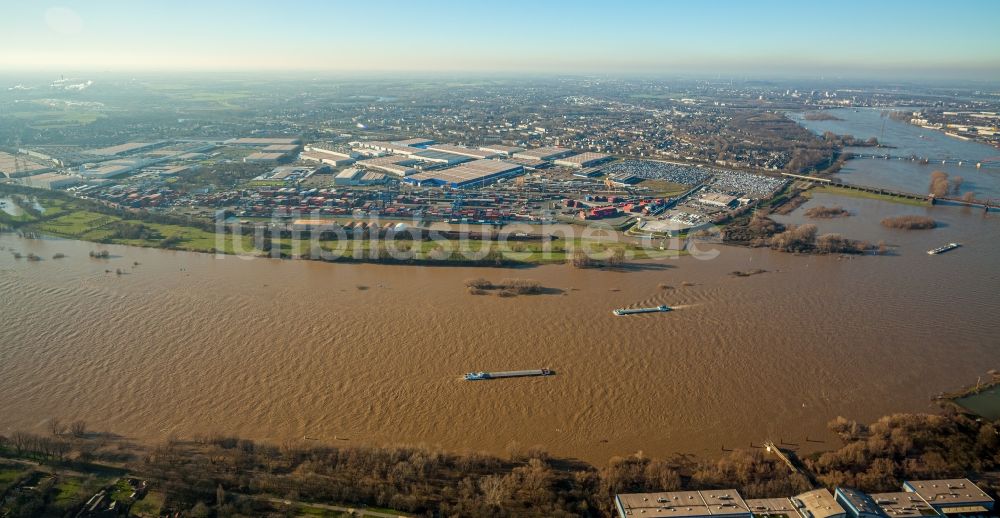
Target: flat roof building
[951,496]
[501,149]
[464,151]
[528,163]
[685,504]
[123,149]
[857,504]
[355,176]
[280,148]
[718,200]
[336,160]
[819,503]
[415,142]
[390,147]
[467,174]
[772,507]
[394,164]
[583,160]
[903,505]
[110,169]
[441,157]
[544,153]
[261,156]
[338,152]
[51,181]
[262,141]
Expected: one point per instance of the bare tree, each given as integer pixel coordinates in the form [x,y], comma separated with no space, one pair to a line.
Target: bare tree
[78,428]
[939,184]
[56,427]
[21,441]
[60,448]
[495,489]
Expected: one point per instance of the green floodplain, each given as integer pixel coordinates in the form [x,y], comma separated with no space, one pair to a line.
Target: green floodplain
[71,218]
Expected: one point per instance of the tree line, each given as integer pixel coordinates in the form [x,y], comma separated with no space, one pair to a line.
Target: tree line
[220,475]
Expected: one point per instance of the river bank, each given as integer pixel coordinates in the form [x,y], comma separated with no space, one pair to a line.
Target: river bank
[72,218]
[307,475]
[294,348]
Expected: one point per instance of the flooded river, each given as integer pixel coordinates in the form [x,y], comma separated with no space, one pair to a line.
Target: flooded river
[186,343]
[900,173]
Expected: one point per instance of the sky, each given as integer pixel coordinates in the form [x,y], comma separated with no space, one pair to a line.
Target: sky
[934,39]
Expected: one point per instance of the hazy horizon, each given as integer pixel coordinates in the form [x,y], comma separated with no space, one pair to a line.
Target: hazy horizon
[727,39]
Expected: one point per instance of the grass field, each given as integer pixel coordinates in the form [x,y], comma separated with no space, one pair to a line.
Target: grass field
[91,226]
[46,118]
[71,221]
[665,189]
[9,472]
[78,224]
[69,490]
[149,506]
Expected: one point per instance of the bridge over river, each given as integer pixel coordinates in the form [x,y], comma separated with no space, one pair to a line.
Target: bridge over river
[986,205]
[989,163]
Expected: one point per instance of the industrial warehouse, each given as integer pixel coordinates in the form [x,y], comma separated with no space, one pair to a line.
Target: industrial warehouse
[465,175]
[952,497]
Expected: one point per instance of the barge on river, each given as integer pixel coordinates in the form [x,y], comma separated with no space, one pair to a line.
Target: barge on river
[636,311]
[477,376]
[943,249]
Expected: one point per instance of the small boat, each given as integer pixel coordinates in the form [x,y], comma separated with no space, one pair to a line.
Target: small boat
[627,311]
[943,249]
[481,375]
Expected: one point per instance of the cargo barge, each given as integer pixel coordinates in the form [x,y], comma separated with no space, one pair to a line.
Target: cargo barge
[943,249]
[477,376]
[626,311]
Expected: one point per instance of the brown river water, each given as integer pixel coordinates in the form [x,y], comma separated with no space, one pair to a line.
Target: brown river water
[188,343]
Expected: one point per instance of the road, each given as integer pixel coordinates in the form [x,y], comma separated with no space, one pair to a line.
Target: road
[337,508]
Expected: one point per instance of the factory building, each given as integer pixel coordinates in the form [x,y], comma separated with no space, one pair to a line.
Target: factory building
[264,157]
[951,496]
[397,165]
[355,177]
[51,181]
[331,159]
[718,200]
[390,147]
[501,149]
[544,153]
[124,149]
[857,504]
[441,157]
[421,143]
[955,497]
[110,169]
[262,141]
[583,160]
[280,148]
[716,503]
[902,505]
[465,151]
[477,172]
[336,152]
[819,503]
[772,507]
